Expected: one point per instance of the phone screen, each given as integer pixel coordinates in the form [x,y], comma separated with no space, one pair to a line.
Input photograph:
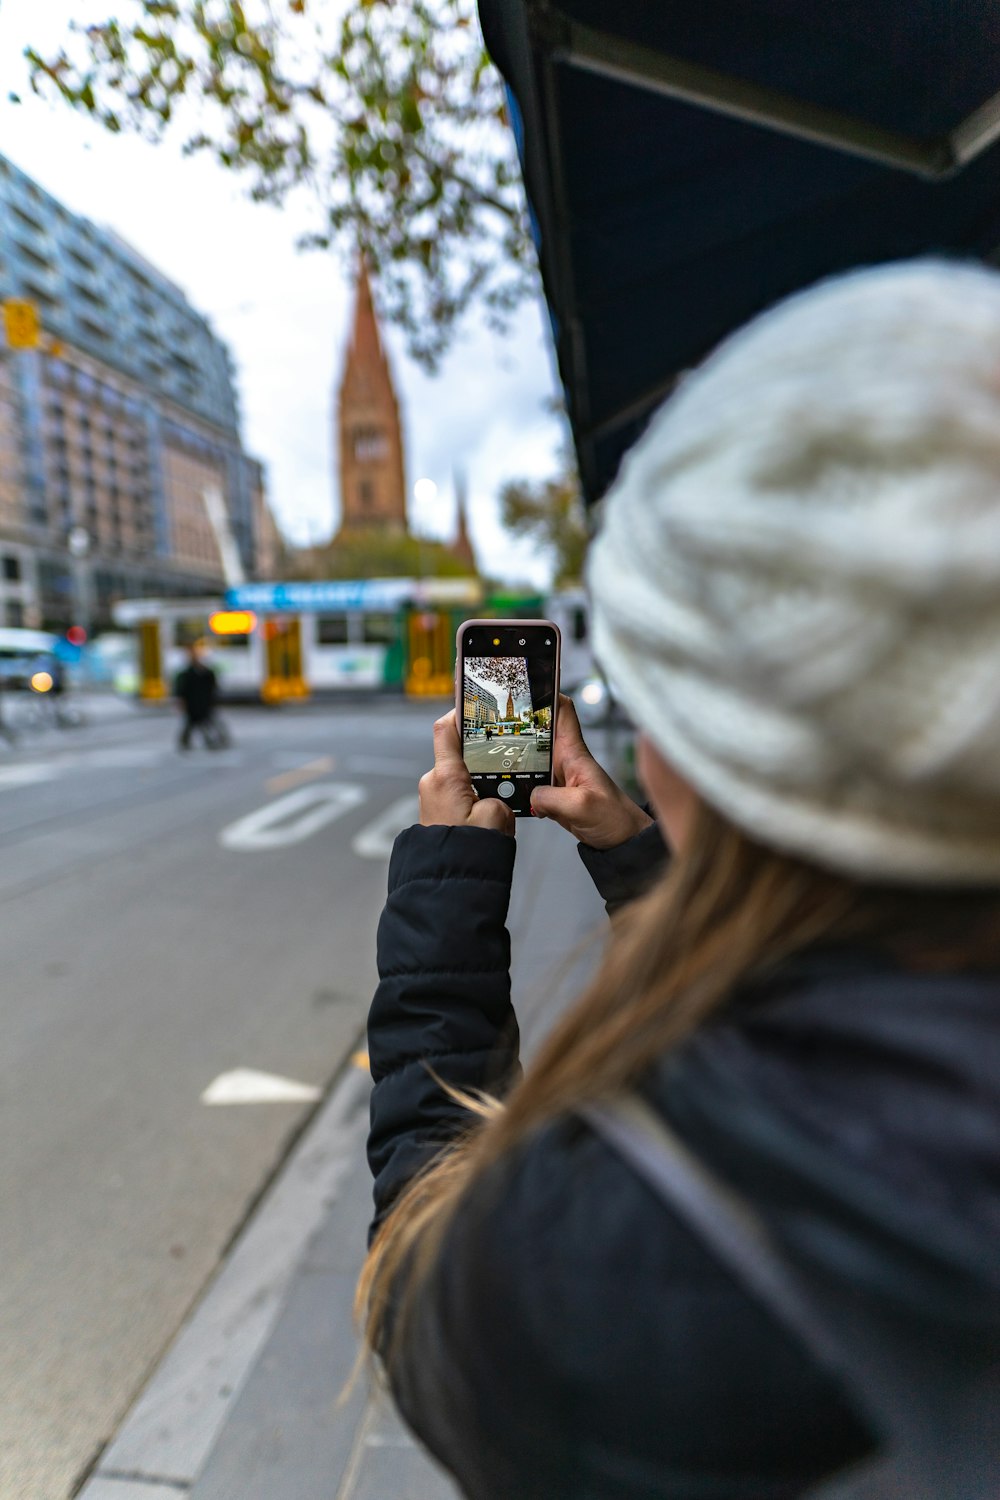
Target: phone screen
[507,696]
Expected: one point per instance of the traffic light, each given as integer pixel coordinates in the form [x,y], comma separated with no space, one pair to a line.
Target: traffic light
[76,635]
[21,324]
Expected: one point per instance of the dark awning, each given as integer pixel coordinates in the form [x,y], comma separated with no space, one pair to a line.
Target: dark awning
[689,162]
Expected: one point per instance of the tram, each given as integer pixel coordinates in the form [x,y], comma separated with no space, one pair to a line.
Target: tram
[278,642]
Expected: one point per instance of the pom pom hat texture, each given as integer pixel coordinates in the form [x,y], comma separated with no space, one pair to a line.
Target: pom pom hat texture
[796,588]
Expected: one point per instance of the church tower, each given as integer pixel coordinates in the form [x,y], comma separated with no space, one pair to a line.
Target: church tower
[372,479]
[462,547]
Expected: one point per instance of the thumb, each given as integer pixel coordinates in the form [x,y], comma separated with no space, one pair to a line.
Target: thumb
[447,745]
[568,725]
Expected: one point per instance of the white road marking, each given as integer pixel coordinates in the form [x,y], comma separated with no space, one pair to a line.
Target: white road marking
[290,819]
[246,1086]
[375,841]
[29,775]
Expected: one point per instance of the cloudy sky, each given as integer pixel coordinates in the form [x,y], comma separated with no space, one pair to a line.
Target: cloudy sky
[285,316]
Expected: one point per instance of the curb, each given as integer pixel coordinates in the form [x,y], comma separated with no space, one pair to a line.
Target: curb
[167,1436]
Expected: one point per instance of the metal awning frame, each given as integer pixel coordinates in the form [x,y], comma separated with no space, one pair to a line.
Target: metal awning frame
[609,56]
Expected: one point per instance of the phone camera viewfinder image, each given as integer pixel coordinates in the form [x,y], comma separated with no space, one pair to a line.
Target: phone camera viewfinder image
[507,697]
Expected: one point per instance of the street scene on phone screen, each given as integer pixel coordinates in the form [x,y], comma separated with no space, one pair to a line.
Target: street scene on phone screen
[502,729]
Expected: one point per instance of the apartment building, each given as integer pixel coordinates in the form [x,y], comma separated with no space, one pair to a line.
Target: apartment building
[112,429]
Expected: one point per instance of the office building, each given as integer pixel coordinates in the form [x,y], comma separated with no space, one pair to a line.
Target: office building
[122,471]
[479,705]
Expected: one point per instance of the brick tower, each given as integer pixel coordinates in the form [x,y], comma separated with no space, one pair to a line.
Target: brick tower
[372,479]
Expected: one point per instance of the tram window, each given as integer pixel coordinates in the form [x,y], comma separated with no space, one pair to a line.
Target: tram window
[228,642]
[331,630]
[380,630]
[189,629]
[579,624]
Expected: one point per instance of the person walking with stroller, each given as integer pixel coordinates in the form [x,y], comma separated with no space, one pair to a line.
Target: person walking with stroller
[197,691]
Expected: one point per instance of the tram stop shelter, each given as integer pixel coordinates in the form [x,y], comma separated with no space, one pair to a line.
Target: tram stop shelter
[690,162]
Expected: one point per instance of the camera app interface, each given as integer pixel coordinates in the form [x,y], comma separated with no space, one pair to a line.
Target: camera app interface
[508,690]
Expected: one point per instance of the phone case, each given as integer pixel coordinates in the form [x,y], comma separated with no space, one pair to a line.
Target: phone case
[509,625]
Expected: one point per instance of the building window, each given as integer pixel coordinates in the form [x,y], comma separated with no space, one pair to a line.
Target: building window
[379,630]
[366,494]
[12,569]
[331,630]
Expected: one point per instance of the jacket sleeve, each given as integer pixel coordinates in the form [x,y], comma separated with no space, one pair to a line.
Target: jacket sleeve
[627,871]
[442,1006]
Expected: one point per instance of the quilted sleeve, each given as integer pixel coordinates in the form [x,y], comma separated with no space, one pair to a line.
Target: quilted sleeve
[442,1006]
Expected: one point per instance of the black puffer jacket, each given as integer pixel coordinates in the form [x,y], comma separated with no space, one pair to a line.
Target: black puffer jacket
[576,1341]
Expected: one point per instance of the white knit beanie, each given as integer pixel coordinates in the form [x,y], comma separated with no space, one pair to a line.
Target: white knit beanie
[796,587]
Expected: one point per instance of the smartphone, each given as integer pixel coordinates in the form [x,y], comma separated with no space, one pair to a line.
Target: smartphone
[507,692]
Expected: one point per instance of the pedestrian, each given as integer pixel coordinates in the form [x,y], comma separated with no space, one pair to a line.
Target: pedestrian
[736,1230]
[489,731]
[197,691]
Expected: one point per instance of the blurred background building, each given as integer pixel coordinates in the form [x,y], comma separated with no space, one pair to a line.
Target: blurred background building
[122,470]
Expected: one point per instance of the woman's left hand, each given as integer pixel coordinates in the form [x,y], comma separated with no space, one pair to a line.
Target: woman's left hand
[447,794]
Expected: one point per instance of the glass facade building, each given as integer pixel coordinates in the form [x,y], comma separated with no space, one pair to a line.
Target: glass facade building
[113,429]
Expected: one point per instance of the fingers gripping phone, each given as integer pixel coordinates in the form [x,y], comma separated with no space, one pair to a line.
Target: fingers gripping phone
[507,693]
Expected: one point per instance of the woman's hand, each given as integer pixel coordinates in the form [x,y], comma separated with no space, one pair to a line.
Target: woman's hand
[447,794]
[587,804]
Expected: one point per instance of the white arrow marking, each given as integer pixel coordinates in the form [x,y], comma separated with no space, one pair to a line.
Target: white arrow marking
[245,1086]
[12,776]
[375,841]
[291,819]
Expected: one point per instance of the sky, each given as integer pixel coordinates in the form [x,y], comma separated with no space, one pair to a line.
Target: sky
[285,315]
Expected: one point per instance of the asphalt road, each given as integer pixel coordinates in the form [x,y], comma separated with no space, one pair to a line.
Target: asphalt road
[166,921]
[513,752]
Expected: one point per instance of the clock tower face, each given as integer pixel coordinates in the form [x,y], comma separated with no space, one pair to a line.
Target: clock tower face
[370,440]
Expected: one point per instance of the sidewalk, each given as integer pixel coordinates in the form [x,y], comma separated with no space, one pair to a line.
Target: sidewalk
[245,1404]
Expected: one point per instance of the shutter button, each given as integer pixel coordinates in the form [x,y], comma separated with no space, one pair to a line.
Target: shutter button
[506,789]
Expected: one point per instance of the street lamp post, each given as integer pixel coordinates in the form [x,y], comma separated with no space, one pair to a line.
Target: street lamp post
[78,542]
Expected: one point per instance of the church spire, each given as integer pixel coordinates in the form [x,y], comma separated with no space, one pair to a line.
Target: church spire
[366,343]
[462,547]
[371,472]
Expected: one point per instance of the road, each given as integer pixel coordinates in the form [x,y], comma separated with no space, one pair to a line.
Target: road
[167,922]
[512,752]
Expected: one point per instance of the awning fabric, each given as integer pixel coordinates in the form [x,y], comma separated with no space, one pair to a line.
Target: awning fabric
[689,162]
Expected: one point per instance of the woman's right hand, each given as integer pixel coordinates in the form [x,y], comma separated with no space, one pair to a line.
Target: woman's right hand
[587,803]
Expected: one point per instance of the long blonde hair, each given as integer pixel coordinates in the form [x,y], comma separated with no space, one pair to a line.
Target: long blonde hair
[725,909]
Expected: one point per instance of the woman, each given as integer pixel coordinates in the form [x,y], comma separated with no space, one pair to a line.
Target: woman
[781,1272]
